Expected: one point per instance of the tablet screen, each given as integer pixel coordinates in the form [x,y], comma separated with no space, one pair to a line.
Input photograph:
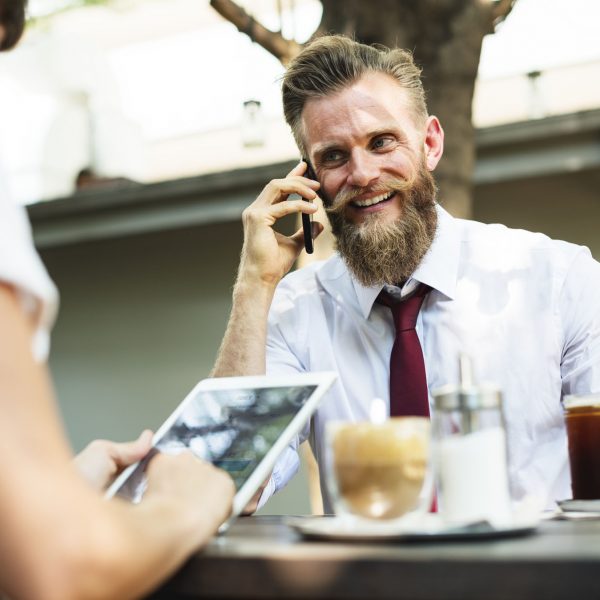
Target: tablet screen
[232,428]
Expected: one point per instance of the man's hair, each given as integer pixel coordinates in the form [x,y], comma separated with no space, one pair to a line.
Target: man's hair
[12,19]
[331,63]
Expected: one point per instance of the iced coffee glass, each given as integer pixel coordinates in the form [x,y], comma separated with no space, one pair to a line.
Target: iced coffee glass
[379,471]
[582,417]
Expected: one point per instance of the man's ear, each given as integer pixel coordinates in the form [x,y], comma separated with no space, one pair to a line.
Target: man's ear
[434,142]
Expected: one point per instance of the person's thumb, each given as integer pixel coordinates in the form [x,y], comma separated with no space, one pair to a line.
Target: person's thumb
[126,453]
[317,229]
[298,237]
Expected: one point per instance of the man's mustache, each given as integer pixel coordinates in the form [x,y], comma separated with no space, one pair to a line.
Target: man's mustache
[383,186]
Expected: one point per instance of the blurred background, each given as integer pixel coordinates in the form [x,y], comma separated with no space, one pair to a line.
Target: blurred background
[136,131]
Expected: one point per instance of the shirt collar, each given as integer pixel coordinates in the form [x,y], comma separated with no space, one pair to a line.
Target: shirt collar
[438,269]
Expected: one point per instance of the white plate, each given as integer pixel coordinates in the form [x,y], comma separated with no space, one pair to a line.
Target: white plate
[428,527]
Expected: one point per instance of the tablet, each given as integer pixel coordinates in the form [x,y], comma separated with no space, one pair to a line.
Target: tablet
[240,424]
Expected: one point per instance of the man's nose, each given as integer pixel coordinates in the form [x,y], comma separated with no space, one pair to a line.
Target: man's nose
[363,169]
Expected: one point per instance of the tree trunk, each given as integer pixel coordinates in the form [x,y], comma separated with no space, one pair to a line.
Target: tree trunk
[445,37]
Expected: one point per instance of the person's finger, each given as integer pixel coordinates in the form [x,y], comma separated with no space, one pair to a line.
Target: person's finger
[312,183]
[299,169]
[278,211]
[298,237]
[146,438]
[252,505]
[126,453]
[278,190]
[317,229]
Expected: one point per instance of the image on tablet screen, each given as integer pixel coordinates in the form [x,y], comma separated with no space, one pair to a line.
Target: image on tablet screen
[232,429]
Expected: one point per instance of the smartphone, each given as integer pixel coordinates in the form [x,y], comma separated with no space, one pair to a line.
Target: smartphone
[307,219]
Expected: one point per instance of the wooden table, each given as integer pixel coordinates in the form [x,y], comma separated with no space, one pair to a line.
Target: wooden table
[261,557]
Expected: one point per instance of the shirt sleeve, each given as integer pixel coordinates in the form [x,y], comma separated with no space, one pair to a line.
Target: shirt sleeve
[580,317]
[21,268]
[281,360]
[286,467]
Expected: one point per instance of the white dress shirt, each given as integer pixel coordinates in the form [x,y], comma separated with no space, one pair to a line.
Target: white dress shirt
[525,308]
[21,268]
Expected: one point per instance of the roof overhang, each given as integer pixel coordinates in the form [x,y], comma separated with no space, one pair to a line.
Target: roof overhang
[550,146]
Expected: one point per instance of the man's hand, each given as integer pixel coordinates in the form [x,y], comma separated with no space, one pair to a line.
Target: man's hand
[268,255]
[252,506]
[102,460]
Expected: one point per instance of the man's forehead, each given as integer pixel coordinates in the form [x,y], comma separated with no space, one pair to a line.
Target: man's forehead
[374,102]
[370,90]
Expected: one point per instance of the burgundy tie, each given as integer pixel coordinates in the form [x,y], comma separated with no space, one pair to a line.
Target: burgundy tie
[408,382]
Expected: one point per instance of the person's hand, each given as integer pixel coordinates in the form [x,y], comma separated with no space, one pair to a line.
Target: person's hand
[268,255]
[199,487]
[102,460]
[252,506]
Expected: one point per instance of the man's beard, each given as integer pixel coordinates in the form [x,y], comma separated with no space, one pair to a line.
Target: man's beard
[377,252]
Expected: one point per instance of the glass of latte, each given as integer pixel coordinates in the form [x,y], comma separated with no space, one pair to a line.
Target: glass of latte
[379,471]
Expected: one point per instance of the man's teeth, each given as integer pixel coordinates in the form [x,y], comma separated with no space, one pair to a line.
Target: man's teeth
[371,201]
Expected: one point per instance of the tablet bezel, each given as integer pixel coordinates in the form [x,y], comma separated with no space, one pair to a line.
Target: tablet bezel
[323,380]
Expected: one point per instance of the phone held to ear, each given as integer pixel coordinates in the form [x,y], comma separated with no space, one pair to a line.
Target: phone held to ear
[307,219]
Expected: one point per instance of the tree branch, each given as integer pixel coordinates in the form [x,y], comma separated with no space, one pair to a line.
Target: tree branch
[271,41]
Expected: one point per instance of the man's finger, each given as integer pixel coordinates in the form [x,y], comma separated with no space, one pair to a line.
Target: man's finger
[317,229]
[278,211]
[278,190]
[298,238]
[299,169]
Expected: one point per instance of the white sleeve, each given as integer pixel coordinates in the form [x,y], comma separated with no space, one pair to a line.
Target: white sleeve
[21,267]
[285,468]
[580,318]
[282,321]
[281,360]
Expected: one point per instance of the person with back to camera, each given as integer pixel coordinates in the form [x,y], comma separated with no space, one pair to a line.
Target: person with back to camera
[526,307]
[60,539]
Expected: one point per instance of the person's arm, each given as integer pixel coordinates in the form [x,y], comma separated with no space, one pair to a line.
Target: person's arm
[60,539]
[266,257]
[579,304]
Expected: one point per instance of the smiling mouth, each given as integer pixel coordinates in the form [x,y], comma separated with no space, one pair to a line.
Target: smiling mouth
[372,201]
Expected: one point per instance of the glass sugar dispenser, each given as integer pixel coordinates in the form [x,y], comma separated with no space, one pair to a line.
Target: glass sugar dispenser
[470,452]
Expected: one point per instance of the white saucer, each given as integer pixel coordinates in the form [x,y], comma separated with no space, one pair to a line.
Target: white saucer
[427,527]
[586,506]
[575,510]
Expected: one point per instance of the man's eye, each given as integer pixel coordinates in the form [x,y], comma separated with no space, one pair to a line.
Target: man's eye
[381,143]
[332,156]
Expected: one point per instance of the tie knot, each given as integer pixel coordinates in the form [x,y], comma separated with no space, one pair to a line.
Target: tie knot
[405,311]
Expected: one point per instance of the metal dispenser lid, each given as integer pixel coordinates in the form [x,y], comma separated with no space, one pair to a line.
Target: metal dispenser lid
[466,395]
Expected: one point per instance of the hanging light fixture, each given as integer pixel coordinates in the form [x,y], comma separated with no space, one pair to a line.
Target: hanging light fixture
[253,124]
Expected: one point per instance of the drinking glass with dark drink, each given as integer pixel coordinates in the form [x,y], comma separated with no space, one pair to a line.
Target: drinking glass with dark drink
[582,417]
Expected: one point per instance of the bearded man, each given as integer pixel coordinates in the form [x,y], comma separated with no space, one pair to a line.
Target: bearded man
[527,308]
